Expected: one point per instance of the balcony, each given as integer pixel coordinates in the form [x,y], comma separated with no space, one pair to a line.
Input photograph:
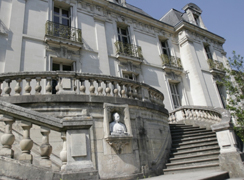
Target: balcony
[128,50]
[171,63]
[216,67]
[60,33]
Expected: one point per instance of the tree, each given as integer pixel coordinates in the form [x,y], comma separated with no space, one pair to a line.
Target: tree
[234,84]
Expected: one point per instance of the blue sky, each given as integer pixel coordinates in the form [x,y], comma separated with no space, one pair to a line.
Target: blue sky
[222,17]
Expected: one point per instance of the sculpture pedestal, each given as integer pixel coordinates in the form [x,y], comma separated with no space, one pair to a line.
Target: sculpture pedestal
[118,141]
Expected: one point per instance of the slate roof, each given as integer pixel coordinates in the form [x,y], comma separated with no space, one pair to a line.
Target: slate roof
[173,17]
[131,7]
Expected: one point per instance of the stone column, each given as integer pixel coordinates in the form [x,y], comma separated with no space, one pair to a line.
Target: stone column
[7,139]
[45,148]
[26,143]
[63,153]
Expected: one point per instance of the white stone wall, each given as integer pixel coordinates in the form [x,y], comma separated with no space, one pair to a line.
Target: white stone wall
[23,48]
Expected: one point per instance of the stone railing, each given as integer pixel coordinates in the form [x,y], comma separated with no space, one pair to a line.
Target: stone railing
[57,82]
[195,115]
[215,65]
[128,49]
[171,61]
[62,31]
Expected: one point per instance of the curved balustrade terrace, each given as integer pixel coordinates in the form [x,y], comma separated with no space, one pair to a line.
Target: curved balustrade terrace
[57,82]
[195,115]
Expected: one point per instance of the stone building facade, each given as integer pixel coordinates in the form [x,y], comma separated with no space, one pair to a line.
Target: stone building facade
[67,65]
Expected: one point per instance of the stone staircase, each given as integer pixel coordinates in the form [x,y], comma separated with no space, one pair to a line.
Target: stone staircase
[193,149]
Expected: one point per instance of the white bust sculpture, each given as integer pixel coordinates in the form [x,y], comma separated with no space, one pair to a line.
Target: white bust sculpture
[115,127]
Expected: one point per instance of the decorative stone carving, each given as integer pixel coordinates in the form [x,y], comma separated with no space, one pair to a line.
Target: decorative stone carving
[173,77]
[117,134]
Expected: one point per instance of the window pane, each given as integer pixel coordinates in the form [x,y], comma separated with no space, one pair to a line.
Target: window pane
[56,11]
[56,67]
[125,39]
[65,22]
[123,32]
[67,68]
[65,13]
[118,30]
[56,19]
[163,44]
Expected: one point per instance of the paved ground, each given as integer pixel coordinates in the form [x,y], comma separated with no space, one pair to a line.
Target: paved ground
[201,175]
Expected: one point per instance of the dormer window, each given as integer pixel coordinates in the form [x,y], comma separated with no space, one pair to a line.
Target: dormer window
[196,18]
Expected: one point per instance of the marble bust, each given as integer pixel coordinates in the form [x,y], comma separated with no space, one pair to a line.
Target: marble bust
[115,127]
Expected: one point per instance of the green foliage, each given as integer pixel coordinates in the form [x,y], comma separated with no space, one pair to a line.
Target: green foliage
[234,84]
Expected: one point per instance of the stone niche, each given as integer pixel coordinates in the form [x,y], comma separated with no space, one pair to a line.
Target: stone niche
[117,140]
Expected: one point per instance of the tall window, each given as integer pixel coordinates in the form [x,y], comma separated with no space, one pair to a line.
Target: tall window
[175,94]
[62,23]
[165,48]
[221,94]
[196,18]
[123,35]
[208,52]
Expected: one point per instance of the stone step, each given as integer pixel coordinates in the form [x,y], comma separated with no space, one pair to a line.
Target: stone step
[190,139]
[186,129]
[195,152]
[197,141]
[193,168]
[180,126]
[194,157]
[195,162]
[195,146]
[190,132]
[190,135]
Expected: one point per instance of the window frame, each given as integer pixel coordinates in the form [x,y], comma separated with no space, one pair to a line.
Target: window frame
[120,35]
[61,17]
[175,95]
[208,52]
[165,48]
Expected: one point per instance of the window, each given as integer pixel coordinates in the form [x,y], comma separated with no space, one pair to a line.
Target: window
[175,94]
[196,18]
[208,53]
[62,21]
[61,16]
[165,48]
[123,35]
[57,66]
[131,76]
[221,94]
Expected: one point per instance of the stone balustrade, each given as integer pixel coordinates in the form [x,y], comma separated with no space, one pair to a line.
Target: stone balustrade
[195,115]
[57,82]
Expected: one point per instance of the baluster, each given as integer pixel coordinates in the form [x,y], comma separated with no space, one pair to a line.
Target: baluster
[173,117]
[82,86]
[183,114]
[7,89]
[26,143]
[116,90]
[17,88]
[123,90]
[7,139]
[48,86]
[75,86]
[92,87]
[27,87]
[0,88]
[38,87]
[45,148]
[63,153]
[134,94]
[58,86]
[170,118]
[139,95]
[219,117]
[208,115]
[107,90]
[190,114]
[129,91]
[205,115]
[100,88]
[194,114]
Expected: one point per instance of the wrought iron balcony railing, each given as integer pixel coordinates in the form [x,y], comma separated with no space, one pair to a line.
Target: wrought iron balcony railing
[62,31]
[128,49]
[217,65]
[171,61]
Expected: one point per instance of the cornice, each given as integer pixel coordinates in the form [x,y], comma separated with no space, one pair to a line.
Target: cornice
[193,28]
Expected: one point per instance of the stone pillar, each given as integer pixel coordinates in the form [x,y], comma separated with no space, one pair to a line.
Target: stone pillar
[26,143]
[45,148]
[230,157]
[7,139]
[63,153]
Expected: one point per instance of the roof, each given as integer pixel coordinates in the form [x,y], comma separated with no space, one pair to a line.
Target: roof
[131,7]
[173,17]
